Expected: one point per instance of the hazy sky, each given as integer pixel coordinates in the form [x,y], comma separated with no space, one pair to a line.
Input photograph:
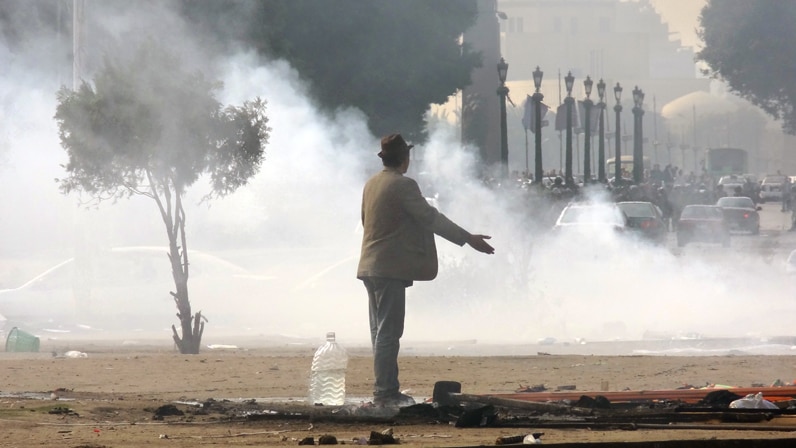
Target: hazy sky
[682,17]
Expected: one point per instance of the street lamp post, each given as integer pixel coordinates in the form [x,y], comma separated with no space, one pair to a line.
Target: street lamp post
[569,80]
[601,142]
[503,92]
[587,104]
[618,137]
[537,105]
[638,136]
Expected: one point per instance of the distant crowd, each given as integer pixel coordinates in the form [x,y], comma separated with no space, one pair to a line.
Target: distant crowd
[670,188]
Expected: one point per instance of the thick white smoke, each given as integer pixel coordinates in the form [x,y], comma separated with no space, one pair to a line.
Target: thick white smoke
[295,227]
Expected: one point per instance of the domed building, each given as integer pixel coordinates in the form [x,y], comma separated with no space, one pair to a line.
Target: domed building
[701,120]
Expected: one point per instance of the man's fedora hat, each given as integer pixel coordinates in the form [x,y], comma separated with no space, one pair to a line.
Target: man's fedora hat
[393,145]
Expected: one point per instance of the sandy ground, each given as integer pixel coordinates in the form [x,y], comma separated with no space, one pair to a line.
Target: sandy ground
[109,398]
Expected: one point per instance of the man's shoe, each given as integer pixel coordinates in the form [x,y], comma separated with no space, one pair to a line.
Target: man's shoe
[394,401]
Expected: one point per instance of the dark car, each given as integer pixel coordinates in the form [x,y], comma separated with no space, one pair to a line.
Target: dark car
[741,213]
[646,219]
[702,223]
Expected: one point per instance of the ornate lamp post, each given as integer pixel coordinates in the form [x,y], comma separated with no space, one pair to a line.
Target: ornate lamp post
[587,104]
[503,92]
[618,137]
[569,80]
[601,144]
[537,98]
[638,138]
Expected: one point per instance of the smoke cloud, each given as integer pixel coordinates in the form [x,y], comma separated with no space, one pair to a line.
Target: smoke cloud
[295,226]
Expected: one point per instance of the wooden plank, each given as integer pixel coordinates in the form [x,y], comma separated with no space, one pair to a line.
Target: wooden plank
[772,394]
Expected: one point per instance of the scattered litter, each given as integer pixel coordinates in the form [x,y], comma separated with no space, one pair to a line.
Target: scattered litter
[327,439]
[62,410]
[598,402]
[509,440]
[382,438]
[478,417]
[166,410]
[720,398]
[221,346]
[533,439]
[58,393]
[536,388]
[525,439]
[753,401]
[75,354]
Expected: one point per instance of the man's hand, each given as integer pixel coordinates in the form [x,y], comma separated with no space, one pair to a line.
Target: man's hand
[478,243]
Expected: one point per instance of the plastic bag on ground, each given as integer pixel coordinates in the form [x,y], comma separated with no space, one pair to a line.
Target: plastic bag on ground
[753,401]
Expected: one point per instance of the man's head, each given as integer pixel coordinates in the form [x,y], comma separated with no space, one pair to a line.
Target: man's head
[394,150]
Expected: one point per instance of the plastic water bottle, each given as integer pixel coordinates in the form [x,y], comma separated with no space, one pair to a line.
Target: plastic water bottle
[327,376]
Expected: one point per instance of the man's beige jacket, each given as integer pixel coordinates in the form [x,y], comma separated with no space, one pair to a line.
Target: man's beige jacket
[399,227]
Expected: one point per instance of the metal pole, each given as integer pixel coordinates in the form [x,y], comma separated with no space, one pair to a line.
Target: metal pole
[587,104]
[601,145]
[655,128]
[568,163]
[618,151]
[538,168]
[527,168]
[638,151]
[504,144]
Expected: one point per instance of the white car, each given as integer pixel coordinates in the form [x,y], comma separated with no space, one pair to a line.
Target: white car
[126,289]
[730,183]
[587,215]
[790,263]
[771,188]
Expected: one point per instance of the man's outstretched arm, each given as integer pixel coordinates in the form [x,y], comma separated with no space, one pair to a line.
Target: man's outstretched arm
[478,242]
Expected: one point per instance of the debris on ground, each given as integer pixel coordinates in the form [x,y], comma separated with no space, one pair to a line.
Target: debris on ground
[535,388]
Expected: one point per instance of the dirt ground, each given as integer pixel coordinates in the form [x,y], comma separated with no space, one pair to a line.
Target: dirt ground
[111,397]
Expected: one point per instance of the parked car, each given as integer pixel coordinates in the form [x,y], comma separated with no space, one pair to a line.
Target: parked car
[790,263]
[127,289]
[771,188]
[702,223]
[646,219]
[586,215]
[741,213]
[733,184]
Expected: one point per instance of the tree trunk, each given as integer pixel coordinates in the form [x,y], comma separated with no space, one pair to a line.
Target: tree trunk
[191,325]
[192,329]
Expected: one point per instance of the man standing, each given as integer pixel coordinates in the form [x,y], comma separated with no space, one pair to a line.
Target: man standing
[397,249]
